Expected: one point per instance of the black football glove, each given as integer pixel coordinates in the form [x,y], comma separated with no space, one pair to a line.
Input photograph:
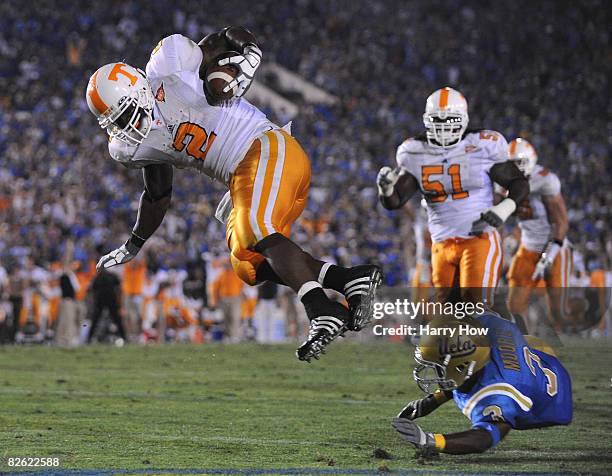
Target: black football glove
[494,216]
[419,408]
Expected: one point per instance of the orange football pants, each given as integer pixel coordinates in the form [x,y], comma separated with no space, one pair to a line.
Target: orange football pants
[269,190]
[474,264]
[519,278]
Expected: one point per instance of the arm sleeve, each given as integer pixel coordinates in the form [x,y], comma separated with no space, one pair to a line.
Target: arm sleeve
[404,158]
[552,186]
[508,175]
[123,153]
[133,157]
[172,55]
[158,180]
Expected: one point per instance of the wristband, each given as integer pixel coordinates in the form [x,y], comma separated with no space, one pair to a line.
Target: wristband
[136,240]
[504,209]
[492,429]
[439,396]
[440,441]
[552,250]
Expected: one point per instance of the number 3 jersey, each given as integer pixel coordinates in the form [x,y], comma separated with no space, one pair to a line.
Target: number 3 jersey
[455,181]
[187,131]
[523,386]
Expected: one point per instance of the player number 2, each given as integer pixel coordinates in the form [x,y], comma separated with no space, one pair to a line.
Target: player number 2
[195,138]
[436,187]
[551,377]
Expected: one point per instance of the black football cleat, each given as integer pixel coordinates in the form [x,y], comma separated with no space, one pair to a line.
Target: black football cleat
[360,292]
[323,330]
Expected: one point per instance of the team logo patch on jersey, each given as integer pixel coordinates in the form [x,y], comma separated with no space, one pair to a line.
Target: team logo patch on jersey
[160,95]
[470,148]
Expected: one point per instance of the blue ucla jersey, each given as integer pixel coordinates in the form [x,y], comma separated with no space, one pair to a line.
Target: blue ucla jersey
[520,385]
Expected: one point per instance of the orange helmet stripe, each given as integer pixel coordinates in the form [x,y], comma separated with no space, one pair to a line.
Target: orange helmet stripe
[93,94]
[513,147]
[443,98]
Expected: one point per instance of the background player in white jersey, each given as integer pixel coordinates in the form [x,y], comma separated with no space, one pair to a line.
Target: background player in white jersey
[422,239]
[455,169]
[544,252]
[172,117]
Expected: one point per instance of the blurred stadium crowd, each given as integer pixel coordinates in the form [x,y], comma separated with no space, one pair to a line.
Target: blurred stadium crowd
[538,70]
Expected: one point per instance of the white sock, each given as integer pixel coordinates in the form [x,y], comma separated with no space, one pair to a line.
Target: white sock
[307,287]
[323,272]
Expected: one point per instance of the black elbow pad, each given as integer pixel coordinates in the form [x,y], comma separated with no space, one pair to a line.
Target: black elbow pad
[155,197]
[505,173]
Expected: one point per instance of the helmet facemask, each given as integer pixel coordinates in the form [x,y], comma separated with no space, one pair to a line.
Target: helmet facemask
[525,164]
[448,361]
[431,375]
[130,121]
[445,129]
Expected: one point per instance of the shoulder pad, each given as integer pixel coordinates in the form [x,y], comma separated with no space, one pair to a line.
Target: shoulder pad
[411,146]
[551,185]
[493,143]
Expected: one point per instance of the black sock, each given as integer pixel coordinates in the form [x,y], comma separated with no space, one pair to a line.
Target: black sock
[335,278]
[314,298]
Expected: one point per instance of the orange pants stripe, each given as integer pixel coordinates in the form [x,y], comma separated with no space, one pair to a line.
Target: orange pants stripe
[269,190]
[473,263]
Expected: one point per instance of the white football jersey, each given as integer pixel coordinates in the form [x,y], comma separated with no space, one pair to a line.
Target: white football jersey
[187,131]
[533,218]
[455,182]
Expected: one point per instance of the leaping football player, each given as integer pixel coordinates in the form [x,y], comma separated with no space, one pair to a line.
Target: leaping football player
[171,117]
[501,380]
[454,168]
[544,252]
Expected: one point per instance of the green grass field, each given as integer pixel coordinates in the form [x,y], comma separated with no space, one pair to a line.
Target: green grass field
[246,406]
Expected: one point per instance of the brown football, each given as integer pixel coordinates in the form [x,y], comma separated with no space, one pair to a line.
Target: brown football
[217,78]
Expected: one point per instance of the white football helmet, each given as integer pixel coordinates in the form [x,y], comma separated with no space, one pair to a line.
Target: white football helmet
[524,154]
[120,96]
[446,117]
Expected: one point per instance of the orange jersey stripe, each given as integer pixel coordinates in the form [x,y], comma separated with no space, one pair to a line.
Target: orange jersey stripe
[93,94]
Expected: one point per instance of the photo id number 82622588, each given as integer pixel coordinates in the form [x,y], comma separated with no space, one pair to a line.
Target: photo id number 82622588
[32,462]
